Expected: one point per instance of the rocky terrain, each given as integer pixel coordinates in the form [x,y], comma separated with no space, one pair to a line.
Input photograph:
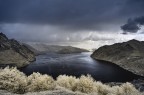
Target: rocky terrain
[44,48]
[128,55]
[13,53]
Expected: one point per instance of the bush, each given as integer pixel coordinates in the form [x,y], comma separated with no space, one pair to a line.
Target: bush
[13,80]
[68,82]
[124,89]
[85,84]
[129,89]
[102,89]
[38,82]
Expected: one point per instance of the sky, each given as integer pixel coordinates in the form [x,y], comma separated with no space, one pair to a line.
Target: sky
[82,23]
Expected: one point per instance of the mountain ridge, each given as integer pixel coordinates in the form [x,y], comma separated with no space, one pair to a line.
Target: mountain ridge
[128,55]
[14,53]
[44,48]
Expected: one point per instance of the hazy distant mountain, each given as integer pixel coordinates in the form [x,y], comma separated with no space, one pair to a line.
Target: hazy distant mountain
[128,55]
[44,48]
[14,53]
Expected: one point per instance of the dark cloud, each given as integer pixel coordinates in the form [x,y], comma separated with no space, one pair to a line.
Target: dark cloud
[74,14]
[133,8]
[140,20]
[133,25]
[68,20]
[79,14]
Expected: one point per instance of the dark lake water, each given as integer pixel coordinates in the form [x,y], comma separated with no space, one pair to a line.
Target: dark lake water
[76,65]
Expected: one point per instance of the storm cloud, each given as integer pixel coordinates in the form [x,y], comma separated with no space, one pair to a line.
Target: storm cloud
[69,20]
[133,25]
[74,14]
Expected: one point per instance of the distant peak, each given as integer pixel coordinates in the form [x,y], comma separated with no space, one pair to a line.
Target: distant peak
[133,40]
[3,36]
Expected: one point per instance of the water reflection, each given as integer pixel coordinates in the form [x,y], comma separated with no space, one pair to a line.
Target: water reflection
[78,64]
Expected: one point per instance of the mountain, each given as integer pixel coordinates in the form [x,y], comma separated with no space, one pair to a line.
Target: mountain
[70,49]
[14,53]
[40,48]
[36,52]
[128,55]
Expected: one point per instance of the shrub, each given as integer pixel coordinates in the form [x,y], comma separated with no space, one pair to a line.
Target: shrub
[124,89]
[13,80]
[129,89]
[38,82]
[116,90]
[85,84]
[68,82]
[102,89]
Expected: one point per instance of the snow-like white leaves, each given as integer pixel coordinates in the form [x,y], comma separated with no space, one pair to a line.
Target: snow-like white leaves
[15,81]
[85,84]
[68,82]
[38,82]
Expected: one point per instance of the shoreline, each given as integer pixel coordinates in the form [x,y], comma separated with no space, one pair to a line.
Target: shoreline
[119,66]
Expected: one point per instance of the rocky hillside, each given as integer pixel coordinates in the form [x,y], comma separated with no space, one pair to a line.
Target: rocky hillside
[13,53]
[44,48]
[128,55]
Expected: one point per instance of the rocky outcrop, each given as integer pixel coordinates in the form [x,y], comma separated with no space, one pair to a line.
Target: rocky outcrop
[13,53]
[128,55]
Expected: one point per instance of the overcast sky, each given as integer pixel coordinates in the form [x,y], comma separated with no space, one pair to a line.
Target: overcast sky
[82,23]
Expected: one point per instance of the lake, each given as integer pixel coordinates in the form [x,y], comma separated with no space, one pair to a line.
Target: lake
[78,64]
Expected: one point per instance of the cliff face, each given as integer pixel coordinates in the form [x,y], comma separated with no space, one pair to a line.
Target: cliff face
[128,55]
[13,53]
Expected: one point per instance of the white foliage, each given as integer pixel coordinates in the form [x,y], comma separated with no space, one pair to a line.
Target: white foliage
[102,89]
[129,89]
[38,82]
[68,82]
[85,84]
[13,80]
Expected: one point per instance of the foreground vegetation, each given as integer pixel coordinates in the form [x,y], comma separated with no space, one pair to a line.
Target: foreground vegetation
[15,81]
